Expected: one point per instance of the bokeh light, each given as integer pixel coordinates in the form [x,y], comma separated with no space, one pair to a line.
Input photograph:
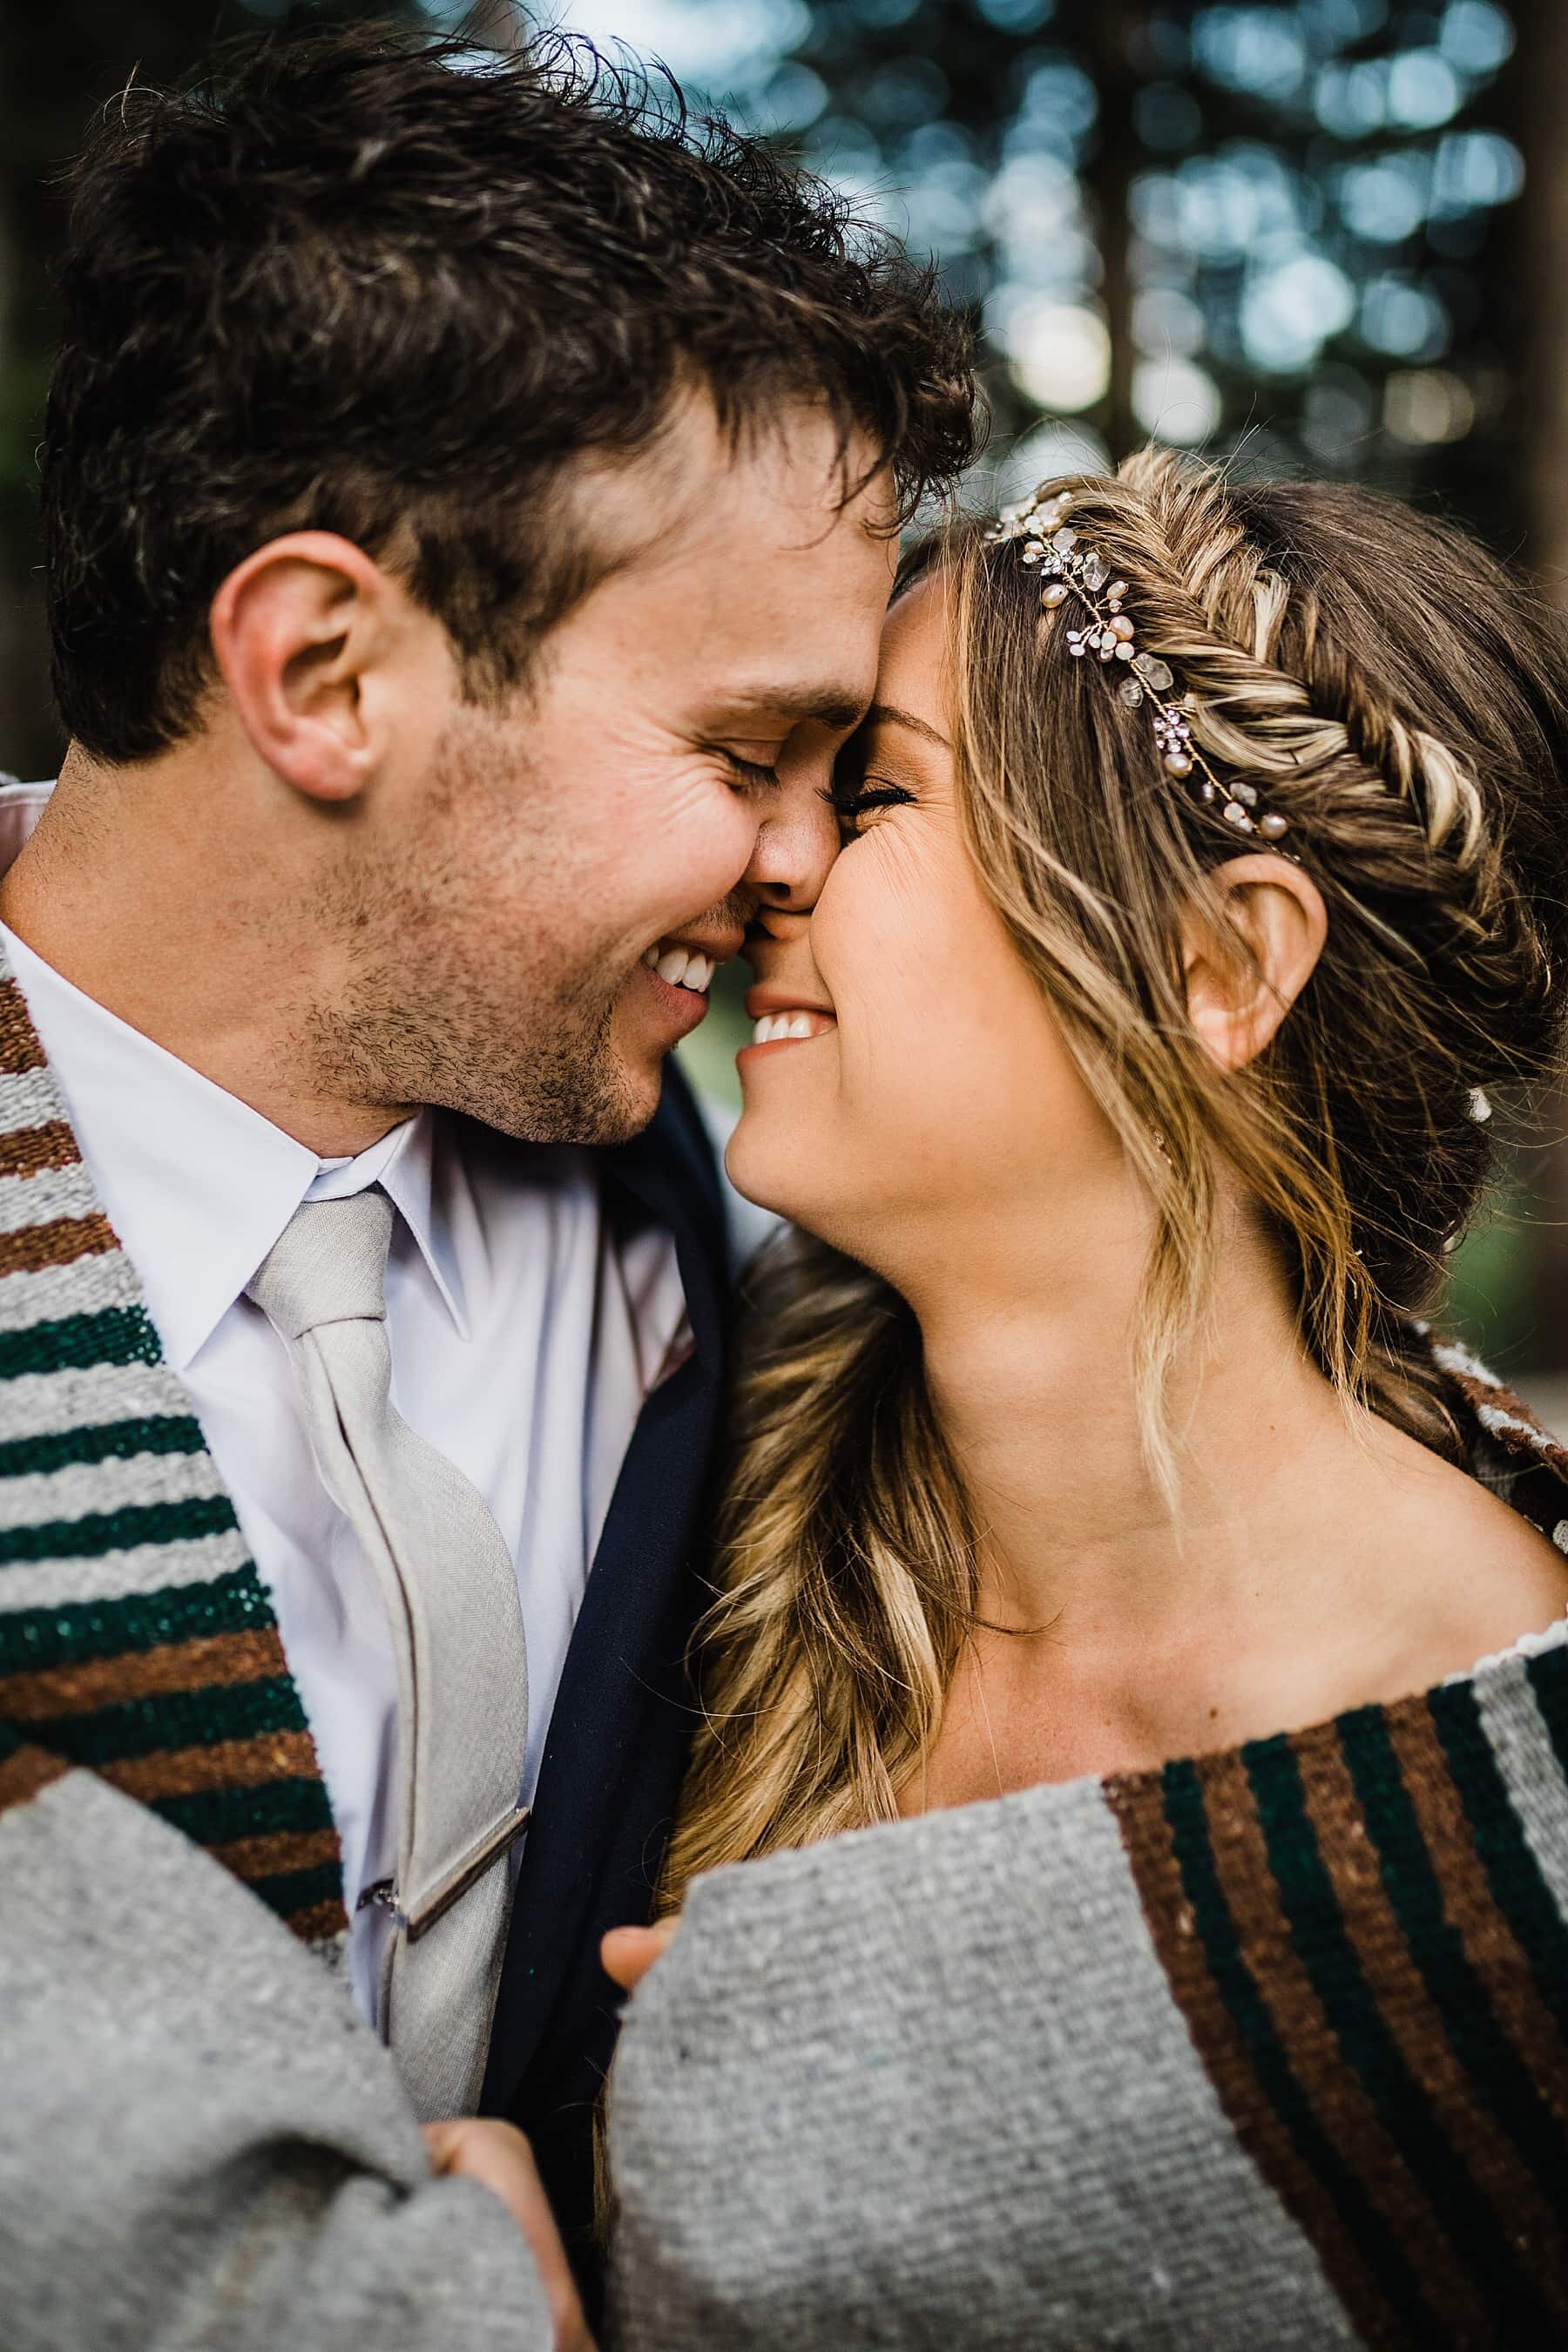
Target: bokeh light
[1174,401]
[1061,352]
[1291,197]
[1428,405]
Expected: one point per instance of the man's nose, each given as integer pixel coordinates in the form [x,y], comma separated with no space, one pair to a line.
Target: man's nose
[798,840]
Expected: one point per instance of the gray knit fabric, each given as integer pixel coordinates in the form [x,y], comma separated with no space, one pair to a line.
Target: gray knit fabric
[200,2144]
[887,2093]
[1187,2063]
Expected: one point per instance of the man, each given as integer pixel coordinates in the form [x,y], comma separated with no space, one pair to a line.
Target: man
[469,502]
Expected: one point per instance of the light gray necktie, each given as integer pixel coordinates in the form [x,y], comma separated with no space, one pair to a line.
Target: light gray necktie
[457,1627]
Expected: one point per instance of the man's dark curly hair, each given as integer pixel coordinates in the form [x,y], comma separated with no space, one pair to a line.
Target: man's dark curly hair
[365,282]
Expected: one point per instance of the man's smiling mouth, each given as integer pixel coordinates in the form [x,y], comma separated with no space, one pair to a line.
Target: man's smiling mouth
[681,967]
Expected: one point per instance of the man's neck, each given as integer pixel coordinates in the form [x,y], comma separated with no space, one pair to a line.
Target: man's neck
[146,889]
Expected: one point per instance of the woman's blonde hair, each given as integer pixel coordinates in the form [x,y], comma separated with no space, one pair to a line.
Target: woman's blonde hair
[1392,692]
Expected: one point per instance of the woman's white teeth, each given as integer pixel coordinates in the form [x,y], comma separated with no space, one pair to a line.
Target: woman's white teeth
[681,967]
[773,1026]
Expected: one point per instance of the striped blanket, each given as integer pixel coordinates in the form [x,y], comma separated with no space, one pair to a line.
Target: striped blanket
[136,1639]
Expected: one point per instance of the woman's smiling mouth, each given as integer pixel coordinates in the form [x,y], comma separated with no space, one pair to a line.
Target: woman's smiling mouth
[779,1017]
[784,1028]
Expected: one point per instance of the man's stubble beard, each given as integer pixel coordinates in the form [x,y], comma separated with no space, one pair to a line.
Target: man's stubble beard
[431,1011]
[546,1074]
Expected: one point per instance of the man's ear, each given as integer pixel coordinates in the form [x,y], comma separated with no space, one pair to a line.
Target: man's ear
[1236,999]
[299,630]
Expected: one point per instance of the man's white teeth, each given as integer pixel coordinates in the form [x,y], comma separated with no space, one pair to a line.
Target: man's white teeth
[775,1025]
[681,967]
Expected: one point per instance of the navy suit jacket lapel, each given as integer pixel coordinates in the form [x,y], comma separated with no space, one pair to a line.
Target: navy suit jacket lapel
[602,1772]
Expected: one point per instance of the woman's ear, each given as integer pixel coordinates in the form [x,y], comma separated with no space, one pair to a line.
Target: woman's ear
[1244,974]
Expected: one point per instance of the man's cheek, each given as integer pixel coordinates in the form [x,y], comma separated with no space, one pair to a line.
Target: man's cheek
[729,843]
[653,865]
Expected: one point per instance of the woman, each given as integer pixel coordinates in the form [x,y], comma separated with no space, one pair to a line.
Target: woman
[1099,1501]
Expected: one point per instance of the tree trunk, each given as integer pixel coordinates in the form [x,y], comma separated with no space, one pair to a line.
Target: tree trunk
[1537,85]
[1112,33]
[1540,232]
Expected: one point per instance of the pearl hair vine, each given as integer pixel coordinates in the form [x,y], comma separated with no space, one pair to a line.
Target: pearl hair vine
[1071,569]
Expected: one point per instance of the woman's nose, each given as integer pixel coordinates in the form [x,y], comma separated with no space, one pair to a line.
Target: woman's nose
[796,843]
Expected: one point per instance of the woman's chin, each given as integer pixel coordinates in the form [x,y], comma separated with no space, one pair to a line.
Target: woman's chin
[808,1170]
[759,1167]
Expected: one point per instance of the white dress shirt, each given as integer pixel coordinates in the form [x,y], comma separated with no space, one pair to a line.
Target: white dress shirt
[524,1339]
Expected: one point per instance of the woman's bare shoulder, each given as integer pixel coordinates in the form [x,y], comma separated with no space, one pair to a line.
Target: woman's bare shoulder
[1467,1574]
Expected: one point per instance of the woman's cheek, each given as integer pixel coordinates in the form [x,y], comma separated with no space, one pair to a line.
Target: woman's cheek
[907,1019]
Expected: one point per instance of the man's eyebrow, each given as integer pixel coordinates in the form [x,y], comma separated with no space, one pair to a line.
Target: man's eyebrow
[838,707]
[887,714]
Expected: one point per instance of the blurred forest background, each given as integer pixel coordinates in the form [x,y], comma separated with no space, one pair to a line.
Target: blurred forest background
[1331,237]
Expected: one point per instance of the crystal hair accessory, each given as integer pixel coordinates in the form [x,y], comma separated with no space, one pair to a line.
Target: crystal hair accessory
[1069,569]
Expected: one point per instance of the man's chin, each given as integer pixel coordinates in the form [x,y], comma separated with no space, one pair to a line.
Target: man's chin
[597,1099]
[632,1110]
[631,1068]
[613,1102]
[637,1091]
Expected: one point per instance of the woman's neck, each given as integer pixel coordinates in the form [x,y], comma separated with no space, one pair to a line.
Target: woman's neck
[1030,1368]
[1317,1559]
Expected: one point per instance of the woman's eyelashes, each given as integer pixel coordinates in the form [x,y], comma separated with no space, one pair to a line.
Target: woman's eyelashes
[850,801]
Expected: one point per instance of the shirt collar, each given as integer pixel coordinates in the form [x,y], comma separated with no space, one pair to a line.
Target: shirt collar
[403,1164]
[199,1186]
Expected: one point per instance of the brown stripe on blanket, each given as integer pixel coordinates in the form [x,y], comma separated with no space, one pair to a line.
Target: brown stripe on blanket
[1520,1432]
[319,1923]
[62,1242]
[20,1046]
[1137,1801]
[24,1772]
[255,1655]
[32,1150]
[270,1856]
[1337,2097]
[226,1764]
[1413,2021]
[1487,1935]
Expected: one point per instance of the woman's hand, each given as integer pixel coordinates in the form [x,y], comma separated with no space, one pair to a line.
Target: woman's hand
[473,2149]
[626,1954]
